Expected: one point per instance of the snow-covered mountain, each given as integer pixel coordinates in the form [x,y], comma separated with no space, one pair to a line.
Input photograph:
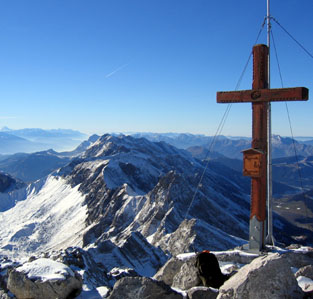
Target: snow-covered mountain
[130,203]
[231,147]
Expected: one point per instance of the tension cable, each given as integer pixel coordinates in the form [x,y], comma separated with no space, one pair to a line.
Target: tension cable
[299,44]
[222,123]
[291,131]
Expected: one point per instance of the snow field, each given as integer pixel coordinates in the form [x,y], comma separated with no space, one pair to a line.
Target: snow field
[51,216]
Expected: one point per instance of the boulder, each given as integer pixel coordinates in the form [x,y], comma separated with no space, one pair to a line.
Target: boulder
[44,278]
[142,288]
[306,271]
[265,277]
[202,293]
[299,259]
[305,279]
[169,270]
[187,276]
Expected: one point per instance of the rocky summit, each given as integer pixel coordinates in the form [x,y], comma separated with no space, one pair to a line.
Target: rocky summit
[123,208]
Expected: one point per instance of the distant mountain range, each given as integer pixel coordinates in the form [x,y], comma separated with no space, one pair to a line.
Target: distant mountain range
[34,166]
[32,140]
[231,146]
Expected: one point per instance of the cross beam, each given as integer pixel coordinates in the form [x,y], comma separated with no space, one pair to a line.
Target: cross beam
[263,95]
[255,159]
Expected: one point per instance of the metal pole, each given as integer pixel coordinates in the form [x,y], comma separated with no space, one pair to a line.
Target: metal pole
[269,237]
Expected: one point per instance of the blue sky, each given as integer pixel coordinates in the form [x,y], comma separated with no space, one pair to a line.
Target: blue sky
[103,66]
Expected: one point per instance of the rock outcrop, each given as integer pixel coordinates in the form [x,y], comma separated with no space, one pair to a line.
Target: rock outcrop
[266,277]
[143,288]
[306,271]
[168,271]
[44,278]
[202,293]
[287,274]
[187,276]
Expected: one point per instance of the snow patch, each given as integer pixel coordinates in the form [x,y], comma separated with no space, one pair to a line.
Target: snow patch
[305,283]
[51,217]
[45,269]
[185,256]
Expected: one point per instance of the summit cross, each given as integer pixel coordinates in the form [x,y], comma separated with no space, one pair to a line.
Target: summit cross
[255,159]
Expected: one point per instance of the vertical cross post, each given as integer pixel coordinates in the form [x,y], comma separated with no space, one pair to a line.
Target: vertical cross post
[255,159]
[257,227]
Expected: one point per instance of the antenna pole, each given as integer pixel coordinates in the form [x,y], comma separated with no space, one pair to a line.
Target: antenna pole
[269,237]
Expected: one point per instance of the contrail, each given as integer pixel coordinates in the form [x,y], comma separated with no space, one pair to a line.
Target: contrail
[117,70]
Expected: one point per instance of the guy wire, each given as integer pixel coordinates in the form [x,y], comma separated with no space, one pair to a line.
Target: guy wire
[222,123]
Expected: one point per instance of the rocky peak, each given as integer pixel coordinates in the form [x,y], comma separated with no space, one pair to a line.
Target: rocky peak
[8,183]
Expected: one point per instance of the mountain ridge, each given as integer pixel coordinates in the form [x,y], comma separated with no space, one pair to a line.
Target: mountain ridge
[132,203]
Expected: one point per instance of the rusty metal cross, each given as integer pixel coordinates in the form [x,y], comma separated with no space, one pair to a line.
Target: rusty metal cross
[255,159]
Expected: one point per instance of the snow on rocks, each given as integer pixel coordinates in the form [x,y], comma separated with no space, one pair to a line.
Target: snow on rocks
[265,277]
[43,278]
[45,269]
[305,278]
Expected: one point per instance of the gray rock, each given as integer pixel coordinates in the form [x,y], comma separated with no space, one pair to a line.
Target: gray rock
[299,259]
[142,288]
[202,293]
[24,287]
[169,270]
[266,277]
[93,274]
[5,295]
[306,271]
[187,277]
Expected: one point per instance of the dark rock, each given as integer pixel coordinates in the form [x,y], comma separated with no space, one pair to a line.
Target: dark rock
[5,295]
[202,293]
[306,271]
[118,273]
[142,288]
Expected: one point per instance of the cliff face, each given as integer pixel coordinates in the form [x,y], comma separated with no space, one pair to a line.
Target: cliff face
[133,185]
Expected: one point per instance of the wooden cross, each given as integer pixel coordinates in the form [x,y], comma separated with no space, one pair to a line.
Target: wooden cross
[255,159]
